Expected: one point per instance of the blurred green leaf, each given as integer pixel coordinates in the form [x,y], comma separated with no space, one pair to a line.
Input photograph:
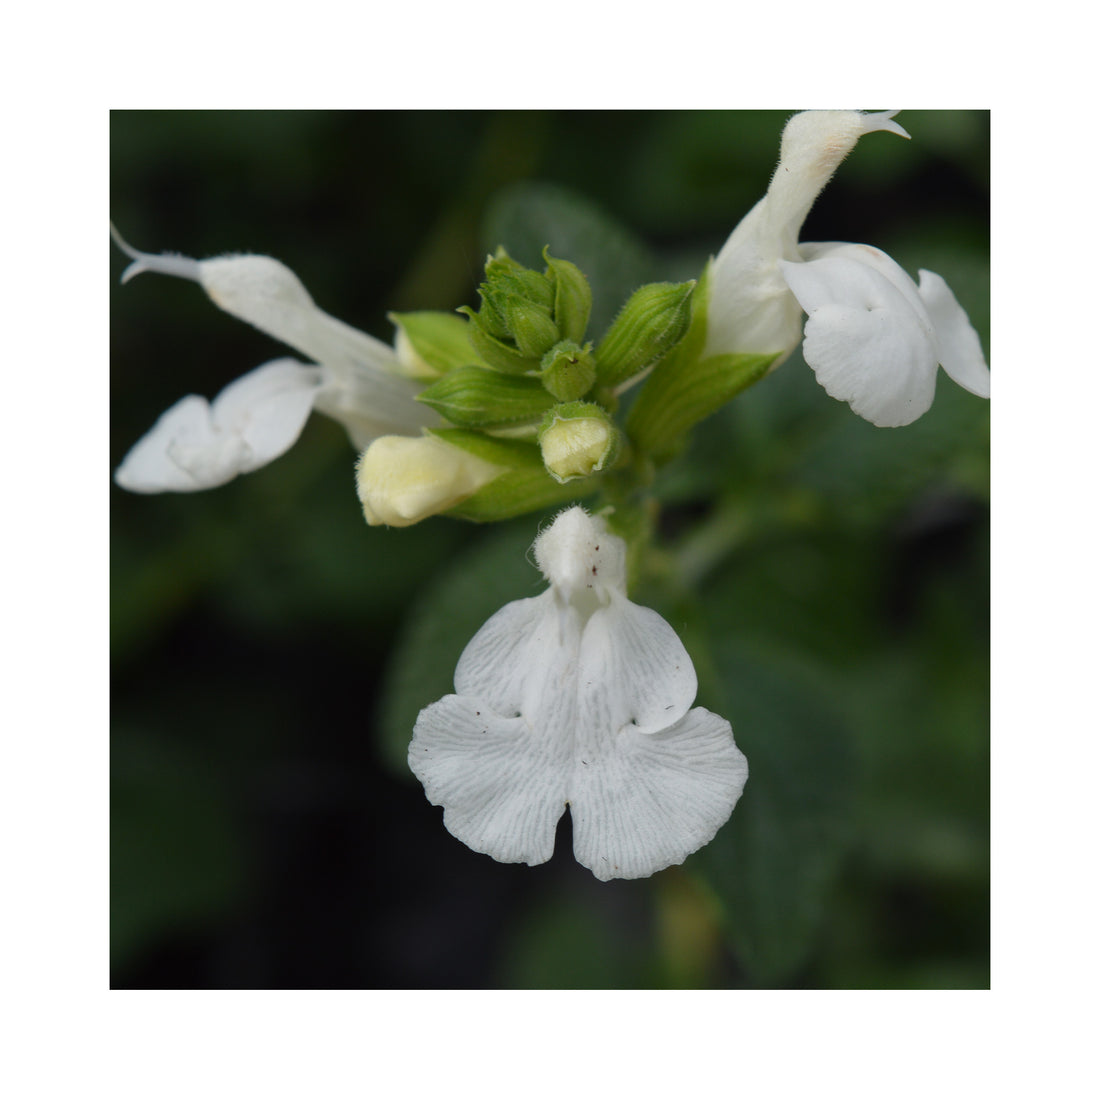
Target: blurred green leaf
[773,864]
[573,942]
[176,859]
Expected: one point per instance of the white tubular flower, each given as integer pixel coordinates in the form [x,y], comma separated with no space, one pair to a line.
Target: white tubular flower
[355,379]
[578,698]
[873,338]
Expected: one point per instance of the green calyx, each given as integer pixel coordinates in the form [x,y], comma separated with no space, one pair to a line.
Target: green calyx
[685,388]
[653,321]
[474,397]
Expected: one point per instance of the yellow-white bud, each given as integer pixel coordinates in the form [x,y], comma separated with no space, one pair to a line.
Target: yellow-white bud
[402,480]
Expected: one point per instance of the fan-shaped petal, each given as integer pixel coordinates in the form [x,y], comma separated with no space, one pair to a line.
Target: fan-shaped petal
[644,801]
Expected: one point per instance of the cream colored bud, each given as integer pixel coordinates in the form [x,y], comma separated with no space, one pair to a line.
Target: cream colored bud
[402,480]
[577,445]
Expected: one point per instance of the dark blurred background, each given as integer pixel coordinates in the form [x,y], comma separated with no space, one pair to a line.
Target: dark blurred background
[270,651]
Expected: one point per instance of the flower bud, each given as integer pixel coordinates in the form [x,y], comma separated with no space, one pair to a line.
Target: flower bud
[568,370]
[577,440]
[653,321]
[474,397]
[572,297]
[402,480]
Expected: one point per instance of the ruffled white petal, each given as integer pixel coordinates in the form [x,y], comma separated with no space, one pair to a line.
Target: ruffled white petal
[197,445]
[578,696]
[644,801]
[959,346]
[868,339]
[498,755]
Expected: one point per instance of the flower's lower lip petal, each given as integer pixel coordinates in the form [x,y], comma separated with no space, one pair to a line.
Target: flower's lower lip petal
[500,780]
[868,341]
[642,802]
[148,467]
[960,348]
[267,408]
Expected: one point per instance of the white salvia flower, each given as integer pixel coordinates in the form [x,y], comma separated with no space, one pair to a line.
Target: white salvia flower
[580,698]
[355,379]
[873,337]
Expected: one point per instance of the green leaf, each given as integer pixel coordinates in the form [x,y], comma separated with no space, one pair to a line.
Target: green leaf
[772,866]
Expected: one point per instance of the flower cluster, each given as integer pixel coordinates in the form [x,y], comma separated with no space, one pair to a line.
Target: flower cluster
[577,697]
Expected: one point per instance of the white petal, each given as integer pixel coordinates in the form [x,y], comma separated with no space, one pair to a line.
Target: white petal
[366,390]
[267,408]
[865,340]
[196,445]
[644,801]
[959,346]
[633,669]
[517,662]
[498,756]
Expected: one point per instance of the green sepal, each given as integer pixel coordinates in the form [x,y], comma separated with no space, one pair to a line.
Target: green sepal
[572,297]
[524,487]
[578,439]
[684,389]
[568,370]
[655,318]
[440,340]
[475,397]
[497,352]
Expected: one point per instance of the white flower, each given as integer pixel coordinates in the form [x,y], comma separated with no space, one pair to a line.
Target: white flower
[873,337]
[580,698]
[356,379]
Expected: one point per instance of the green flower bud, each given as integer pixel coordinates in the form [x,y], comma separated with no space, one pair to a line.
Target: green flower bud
[568,370]
[653,321]
[530,325]
[499,352]
[577,440]
[430,343]
[572,297]
[474,397]
[522,486]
